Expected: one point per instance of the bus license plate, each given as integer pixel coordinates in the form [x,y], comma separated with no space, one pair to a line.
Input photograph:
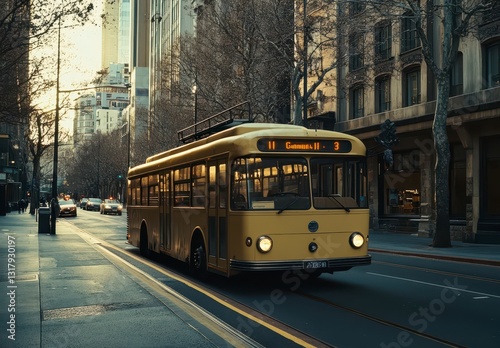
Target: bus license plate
[315,264]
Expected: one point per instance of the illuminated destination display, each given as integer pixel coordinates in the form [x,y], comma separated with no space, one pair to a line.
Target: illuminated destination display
[303,145]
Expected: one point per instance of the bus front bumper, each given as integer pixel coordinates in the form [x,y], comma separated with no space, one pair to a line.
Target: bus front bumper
[326,265]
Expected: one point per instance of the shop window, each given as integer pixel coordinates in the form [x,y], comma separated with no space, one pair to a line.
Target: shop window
[402,184]
[491,172]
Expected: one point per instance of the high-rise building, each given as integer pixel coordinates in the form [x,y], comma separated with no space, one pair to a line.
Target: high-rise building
[169,20]
[110,25]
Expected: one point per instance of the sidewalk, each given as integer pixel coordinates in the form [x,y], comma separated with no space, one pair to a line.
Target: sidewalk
[64,293]
[410,244]
[58,290]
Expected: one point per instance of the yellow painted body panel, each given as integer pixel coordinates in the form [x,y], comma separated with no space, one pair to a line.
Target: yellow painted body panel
[291,236]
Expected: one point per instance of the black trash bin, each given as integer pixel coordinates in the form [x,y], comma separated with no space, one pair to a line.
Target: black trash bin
[44,220]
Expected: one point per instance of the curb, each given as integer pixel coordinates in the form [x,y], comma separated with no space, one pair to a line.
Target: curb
[439,257]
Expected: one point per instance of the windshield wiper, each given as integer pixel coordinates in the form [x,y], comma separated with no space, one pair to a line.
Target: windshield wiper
[334,197]
[289,204]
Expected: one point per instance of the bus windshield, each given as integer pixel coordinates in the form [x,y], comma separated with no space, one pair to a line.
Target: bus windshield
[283,183]
[338,183]
[270,183]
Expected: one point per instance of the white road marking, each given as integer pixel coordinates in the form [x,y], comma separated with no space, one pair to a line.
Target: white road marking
[431,284]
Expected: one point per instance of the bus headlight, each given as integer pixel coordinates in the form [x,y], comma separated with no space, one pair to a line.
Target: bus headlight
[356,240]
[264,244]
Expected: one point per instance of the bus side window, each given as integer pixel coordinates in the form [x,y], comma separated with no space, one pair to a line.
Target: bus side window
[222,185]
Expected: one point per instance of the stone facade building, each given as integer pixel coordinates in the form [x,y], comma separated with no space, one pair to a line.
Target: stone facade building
[387,78]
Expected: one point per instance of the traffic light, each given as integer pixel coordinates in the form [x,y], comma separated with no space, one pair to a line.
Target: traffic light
[388,139]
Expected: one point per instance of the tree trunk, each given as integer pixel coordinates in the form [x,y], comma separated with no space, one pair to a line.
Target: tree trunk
[442,148]
[35,189]
[298,112]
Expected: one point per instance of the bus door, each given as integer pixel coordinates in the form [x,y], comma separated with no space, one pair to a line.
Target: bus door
[217,214]
[165,230]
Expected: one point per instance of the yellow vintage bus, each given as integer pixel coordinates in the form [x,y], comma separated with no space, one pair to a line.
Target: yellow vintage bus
[254,197]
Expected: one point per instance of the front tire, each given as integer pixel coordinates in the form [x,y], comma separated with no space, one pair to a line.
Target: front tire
[198,262]
[143,244]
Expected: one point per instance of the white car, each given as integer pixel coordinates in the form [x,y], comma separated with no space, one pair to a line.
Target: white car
[111,206]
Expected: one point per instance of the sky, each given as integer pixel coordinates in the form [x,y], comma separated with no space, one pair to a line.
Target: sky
[80,60]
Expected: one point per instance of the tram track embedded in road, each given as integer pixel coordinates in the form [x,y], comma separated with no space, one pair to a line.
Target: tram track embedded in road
[379,320]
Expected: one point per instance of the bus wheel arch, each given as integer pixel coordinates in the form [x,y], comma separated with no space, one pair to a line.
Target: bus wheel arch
[198,255]
[143,241]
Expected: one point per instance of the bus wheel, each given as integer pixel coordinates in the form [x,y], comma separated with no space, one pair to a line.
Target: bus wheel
[198,263]
[143,244]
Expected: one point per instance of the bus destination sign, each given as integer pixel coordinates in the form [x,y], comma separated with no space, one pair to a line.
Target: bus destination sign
[303,145]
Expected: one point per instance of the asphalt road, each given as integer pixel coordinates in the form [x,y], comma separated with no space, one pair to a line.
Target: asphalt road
[398,301]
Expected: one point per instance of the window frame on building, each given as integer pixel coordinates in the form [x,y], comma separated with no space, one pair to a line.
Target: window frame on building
[356,7]
[409,37]
[457,76]
[357,105]
[383,41]
[412,93]
[382,93]
[356,52]
[492,64]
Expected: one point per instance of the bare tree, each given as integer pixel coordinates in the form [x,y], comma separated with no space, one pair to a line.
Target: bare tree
[26,26]
[230,63]
[458,18]
[97,168]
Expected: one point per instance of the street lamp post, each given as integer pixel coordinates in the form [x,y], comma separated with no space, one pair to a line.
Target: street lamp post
[54,203]
[304,101]
[128,85]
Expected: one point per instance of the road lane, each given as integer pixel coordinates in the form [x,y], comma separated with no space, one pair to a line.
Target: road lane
[398,301]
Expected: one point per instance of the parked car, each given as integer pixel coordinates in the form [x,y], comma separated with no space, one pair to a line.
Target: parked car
[83,202]
[67,207]
[93,204]
[111,206]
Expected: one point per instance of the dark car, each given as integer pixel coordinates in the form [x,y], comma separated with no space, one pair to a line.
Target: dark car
[67,208]
[111,206]
[83,203]
[93,204]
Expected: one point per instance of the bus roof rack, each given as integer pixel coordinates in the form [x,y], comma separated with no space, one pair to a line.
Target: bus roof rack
[228,118]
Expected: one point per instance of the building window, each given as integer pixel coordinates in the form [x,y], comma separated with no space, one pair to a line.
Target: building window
[357,6]
[356,52]
[357,102]
[383,41]
[383,94]
[409,39]
[492,15]
[456,78]
[493,65]
[412,87]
